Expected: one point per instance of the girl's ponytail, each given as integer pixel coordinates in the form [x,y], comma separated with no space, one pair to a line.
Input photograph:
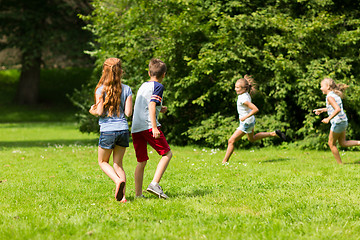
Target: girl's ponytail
[250,84]
[338,89]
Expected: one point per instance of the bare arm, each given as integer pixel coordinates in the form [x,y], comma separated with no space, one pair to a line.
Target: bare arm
[336,107]
[152,112]
[98,108]
[319,111]
[253,108]
[128,106]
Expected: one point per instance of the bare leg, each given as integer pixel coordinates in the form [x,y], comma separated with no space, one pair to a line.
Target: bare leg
[103,159]
[139,176]
[348,143]
[118,156]
[260,135]
[237,135]
[333,137]
[161,167]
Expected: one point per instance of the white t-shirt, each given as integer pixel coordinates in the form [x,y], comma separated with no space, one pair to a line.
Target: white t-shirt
[150,91]
[341,116]
[244,110]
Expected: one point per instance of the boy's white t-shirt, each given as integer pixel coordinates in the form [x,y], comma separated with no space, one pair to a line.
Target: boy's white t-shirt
[150,91]
[244,110]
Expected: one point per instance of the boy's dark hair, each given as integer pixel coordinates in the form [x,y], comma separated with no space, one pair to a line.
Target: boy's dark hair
[157,68]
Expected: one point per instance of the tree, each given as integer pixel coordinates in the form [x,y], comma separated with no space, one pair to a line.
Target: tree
[37,27]
[287,45]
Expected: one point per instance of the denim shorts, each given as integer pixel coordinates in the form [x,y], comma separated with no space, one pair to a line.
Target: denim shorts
[339,127]
[246,127]
[108,140]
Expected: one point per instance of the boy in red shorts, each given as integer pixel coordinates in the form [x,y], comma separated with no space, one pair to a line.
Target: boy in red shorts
[146,128]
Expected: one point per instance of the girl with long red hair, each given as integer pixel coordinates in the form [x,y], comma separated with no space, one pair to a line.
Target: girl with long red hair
[113,101]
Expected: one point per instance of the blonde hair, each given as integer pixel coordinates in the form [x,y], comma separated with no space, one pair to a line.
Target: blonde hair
[111,80]
[248,83]
[338,89]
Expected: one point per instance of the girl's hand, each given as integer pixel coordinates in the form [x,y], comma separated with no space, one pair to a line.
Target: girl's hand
[243,119]
[326,120]
[92,109]
[318,111]
[163,109]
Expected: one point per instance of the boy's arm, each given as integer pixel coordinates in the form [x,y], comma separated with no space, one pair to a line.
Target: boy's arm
[253,108]
[163,109]
[152,113]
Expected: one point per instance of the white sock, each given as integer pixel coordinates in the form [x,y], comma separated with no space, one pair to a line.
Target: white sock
[154,183]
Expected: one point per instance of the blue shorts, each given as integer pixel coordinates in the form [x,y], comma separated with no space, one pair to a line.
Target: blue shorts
[246,127]
[108,140]
[339,127]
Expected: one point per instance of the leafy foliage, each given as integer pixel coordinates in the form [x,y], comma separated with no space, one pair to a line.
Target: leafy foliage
[287,45]
[46,34]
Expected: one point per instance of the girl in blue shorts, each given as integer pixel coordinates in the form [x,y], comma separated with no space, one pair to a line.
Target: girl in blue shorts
[113,100]
[337,116]
[247,110]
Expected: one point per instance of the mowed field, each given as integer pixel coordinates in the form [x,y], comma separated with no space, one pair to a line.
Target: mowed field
[51,187]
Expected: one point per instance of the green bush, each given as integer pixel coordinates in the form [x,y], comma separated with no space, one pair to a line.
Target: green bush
[54,86]
[215,131]
[288,46]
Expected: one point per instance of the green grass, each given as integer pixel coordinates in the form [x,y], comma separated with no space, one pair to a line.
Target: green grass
[52,188]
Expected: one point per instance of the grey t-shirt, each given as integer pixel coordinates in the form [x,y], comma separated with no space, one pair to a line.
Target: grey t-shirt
[115,123]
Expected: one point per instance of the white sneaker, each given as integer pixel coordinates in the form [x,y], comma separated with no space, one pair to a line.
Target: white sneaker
[156,190]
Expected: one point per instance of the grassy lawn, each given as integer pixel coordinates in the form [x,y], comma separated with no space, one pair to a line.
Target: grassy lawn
[52,188]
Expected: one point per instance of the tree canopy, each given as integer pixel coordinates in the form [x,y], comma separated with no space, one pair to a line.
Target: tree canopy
[41,29]
[288,46]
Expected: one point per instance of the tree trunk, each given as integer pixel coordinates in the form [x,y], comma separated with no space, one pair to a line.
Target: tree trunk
[28,89]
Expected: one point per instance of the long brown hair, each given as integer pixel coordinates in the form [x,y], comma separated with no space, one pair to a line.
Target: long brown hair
[338,89]
[111,80]
[248,83]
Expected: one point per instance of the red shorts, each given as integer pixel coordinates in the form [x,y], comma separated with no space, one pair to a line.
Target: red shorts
[141,139]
